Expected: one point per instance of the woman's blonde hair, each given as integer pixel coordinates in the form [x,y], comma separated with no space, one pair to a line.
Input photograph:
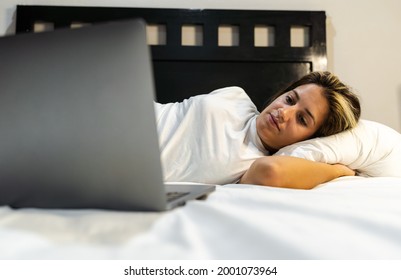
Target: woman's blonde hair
[344,106]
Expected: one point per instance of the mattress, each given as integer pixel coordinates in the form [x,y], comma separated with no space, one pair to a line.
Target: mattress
[347,218]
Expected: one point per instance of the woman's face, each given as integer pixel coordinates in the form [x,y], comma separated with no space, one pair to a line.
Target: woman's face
[292,117]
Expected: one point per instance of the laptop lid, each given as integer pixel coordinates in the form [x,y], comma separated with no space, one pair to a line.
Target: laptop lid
[77,126]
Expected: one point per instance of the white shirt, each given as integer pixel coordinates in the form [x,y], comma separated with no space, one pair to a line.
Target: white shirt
[208,138]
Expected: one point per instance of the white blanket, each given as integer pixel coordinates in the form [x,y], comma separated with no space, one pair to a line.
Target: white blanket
[349,218]
[209,138]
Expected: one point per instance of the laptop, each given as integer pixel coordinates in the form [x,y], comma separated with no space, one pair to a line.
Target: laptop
[77,122]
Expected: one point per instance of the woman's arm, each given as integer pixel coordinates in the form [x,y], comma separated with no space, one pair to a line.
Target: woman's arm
[292,172]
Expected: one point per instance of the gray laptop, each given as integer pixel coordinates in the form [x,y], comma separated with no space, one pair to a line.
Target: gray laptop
[77,122]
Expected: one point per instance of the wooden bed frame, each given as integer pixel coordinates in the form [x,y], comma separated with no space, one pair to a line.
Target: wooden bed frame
[182,71]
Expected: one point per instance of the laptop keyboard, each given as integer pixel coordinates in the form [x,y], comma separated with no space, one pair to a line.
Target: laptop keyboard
[174,195]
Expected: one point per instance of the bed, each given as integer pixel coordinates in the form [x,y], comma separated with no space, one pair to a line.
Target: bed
[347,218]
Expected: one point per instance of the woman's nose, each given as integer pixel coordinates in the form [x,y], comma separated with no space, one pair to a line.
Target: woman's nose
[284,114]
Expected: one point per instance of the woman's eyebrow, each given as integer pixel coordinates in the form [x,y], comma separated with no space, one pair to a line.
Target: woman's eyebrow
[297,97]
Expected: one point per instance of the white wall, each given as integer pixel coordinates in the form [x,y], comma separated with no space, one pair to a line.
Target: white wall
[364,45]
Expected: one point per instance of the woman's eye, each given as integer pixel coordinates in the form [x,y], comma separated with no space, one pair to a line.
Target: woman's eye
[289,100]
[302,120]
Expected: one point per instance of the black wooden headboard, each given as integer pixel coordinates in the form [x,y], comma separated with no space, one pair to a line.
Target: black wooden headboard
[182,71]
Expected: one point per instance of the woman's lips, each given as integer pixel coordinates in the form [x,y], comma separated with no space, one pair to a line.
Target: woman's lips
[273,121]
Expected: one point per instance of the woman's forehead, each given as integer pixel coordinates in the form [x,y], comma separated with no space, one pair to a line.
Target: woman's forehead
[311,97]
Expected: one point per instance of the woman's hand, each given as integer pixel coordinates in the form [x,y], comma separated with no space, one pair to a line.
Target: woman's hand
[292,172]
[344,170]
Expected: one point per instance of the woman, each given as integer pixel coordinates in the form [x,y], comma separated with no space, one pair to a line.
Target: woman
[221,138]
[319,104]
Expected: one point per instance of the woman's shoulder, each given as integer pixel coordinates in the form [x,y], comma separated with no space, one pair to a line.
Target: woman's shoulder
[230,92]
[230,102]
[226,96]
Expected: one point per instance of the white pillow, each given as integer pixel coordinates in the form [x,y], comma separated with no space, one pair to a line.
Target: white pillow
[371,148]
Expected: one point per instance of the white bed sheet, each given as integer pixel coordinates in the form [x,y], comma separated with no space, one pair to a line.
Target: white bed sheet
[348,218]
